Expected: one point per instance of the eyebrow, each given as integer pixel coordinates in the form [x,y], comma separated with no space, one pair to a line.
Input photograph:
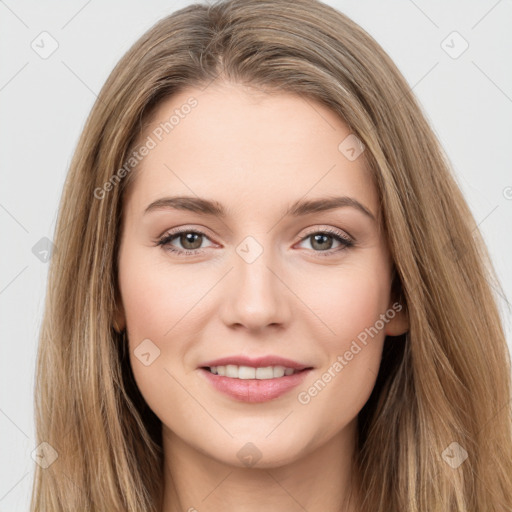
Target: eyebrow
[297,209]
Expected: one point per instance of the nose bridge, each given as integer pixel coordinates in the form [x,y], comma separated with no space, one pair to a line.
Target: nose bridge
[257,296]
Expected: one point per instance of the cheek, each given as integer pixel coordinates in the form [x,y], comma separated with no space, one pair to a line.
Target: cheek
[156,300]
[153,298]
[348,301]
[351,307]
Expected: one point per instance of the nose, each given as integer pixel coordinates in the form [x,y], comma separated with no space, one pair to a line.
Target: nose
[255,295]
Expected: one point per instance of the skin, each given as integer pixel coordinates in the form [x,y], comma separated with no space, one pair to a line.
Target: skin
[255,153]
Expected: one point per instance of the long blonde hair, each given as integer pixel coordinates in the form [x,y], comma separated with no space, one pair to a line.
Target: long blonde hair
[447,381]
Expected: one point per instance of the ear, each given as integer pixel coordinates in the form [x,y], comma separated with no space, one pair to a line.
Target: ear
[399,324]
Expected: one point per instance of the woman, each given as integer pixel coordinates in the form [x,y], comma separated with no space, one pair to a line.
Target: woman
[269,292]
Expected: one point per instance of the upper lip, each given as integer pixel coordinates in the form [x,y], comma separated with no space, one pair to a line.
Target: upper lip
[257,362]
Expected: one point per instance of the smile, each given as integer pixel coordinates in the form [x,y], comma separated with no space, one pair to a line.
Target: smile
[254,385]
[234,371]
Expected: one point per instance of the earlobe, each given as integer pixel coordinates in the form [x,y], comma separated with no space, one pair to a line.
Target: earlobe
[399,324]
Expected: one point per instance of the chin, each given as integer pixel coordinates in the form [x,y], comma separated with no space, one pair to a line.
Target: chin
[261,452]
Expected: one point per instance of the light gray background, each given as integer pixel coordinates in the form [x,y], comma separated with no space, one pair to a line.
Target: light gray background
[44,103]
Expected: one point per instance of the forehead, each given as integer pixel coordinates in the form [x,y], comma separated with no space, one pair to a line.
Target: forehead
[243,146]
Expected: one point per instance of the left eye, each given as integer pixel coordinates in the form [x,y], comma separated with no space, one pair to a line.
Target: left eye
[190,240]
[321,239]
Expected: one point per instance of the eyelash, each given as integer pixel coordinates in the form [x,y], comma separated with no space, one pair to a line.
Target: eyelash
[337,235]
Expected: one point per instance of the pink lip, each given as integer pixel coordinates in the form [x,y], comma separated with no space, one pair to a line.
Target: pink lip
[254,390]
[258,362]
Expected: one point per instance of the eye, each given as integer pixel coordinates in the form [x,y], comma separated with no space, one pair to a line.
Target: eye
[323,241]
[190,240]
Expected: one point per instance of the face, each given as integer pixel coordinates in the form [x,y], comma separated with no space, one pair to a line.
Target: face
[264,288]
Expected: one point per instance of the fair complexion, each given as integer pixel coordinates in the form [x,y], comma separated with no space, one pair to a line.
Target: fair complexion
[305,297]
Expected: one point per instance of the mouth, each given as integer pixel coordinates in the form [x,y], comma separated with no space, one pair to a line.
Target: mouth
[254,384]
[241,372]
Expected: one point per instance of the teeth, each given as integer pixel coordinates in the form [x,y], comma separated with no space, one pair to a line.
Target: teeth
[248,372]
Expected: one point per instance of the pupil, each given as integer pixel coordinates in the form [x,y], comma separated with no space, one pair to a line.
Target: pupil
[189,238]
[319,237]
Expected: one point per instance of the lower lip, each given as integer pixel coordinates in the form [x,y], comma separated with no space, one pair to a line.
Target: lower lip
[255,390]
